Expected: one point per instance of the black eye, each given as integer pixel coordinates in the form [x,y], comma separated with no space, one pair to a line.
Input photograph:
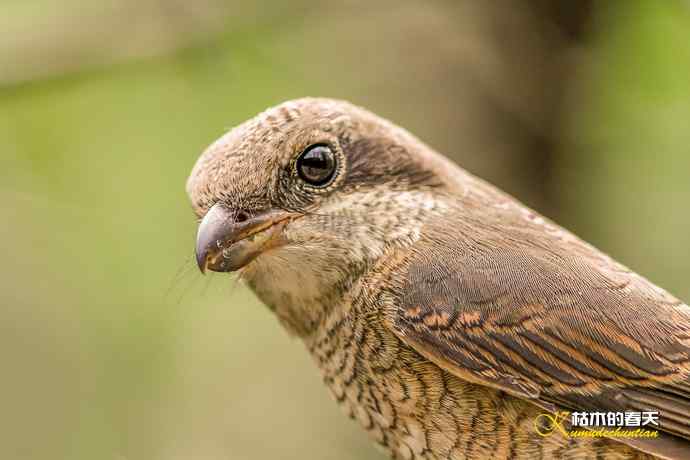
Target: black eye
[316,165]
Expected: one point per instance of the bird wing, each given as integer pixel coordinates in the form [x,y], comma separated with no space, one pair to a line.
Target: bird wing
[527,308]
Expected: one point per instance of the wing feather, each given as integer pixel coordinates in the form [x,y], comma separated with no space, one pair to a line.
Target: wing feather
[531,310]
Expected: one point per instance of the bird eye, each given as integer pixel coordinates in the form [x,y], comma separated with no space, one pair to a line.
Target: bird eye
[316,165]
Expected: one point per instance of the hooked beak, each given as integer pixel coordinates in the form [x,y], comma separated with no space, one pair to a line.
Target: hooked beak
[226,242]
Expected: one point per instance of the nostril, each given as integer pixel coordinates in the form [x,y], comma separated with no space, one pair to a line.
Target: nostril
[241,216]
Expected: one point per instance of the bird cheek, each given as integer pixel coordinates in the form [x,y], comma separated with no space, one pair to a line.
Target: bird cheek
[295,236]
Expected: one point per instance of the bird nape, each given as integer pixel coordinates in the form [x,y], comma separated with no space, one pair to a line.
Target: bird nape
[446,317]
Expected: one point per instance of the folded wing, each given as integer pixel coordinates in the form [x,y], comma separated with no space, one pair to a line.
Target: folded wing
[543,316]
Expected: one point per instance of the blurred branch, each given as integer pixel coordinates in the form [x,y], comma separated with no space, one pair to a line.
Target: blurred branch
[45,38]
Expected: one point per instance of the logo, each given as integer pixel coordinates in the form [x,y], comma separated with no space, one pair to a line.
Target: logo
[599,424]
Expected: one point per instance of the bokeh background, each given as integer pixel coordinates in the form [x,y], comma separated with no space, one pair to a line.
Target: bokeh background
[114,347]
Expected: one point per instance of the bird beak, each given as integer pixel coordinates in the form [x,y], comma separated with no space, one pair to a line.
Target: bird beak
[225,243]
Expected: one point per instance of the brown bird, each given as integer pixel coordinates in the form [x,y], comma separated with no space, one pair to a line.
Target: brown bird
[445,316]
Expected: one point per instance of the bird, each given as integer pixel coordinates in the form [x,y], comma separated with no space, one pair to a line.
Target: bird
[447,318]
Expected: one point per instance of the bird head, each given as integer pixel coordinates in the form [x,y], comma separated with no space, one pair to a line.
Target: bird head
[306,196]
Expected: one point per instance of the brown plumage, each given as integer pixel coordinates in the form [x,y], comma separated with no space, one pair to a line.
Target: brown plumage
[444,315]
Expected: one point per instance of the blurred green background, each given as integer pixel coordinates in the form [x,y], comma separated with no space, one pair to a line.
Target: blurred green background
[114,347]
